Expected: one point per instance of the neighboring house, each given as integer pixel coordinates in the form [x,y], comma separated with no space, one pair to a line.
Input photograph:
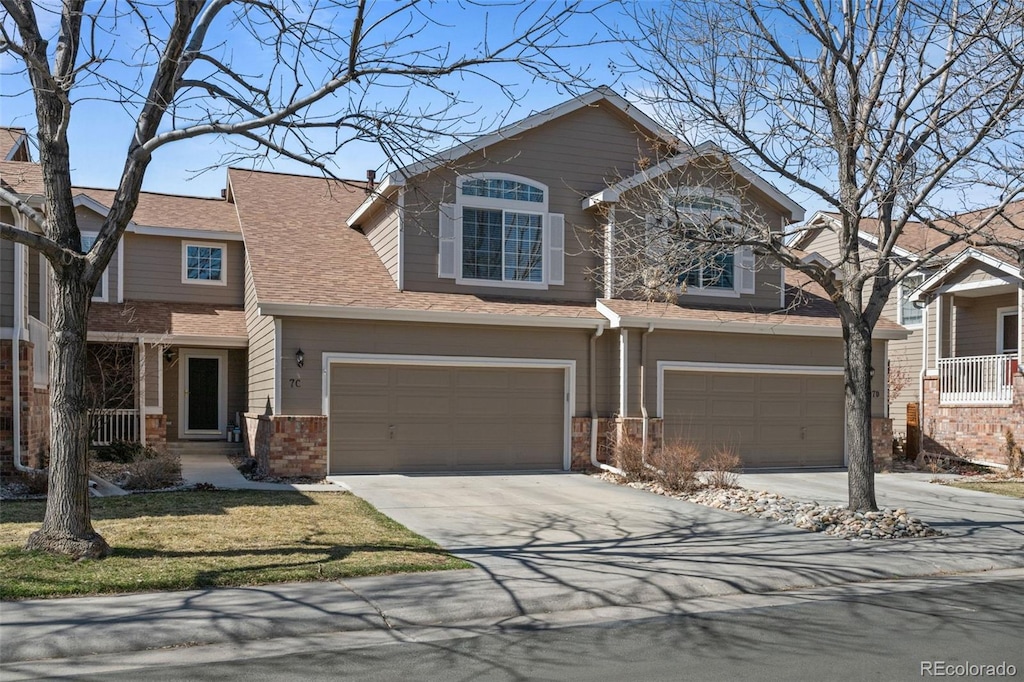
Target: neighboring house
[963,312]
[455,315]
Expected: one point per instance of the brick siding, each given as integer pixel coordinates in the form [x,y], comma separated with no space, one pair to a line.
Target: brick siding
[286,445]
[974,431]
[156,431]
[35,411]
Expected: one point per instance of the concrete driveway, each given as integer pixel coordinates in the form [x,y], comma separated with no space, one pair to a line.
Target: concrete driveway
[570,534]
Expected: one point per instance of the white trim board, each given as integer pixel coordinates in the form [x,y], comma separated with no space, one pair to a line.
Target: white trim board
[569,366]
[184,355]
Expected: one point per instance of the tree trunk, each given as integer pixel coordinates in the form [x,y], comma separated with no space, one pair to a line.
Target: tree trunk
[67,528]
[860,457]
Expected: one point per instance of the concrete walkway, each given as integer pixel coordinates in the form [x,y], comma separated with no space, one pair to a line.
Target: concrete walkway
[541,544]
[218,470]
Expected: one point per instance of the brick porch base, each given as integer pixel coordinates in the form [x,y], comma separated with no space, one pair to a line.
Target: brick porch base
[976,431]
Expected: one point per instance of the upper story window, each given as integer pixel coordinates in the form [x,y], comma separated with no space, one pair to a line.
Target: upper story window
[99,294]
[203,263]
[686,231]
[499,233]
[909,315]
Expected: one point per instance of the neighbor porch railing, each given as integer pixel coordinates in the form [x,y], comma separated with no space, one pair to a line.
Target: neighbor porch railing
[976,380]
[108,425]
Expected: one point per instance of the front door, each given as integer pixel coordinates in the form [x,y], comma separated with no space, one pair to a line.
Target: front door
[203,393]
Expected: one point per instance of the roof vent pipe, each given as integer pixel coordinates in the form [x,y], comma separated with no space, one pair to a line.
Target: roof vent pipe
[371,180]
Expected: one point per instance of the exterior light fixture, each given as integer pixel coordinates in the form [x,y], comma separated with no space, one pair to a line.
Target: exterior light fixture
[300,357]
[169,354]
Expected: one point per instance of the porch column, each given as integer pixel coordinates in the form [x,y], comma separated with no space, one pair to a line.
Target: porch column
[938,329]
[142,392]
[1020,324]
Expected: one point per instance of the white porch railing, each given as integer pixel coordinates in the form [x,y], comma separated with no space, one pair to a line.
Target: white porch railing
[39,335]
[107,426]
[976,380]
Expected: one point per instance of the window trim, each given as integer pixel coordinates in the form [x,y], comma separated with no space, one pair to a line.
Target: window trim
[504,205]
[705,192]
[185,243]
[105,277]
[1001,316]
[903,293]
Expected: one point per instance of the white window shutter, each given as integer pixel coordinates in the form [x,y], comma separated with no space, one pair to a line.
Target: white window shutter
[446,241]
[556,248]
[745,269]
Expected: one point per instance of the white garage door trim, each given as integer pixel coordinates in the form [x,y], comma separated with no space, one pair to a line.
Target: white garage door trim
[569,366]
[744,368]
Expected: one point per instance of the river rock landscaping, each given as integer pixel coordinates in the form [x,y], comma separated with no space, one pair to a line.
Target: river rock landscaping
[839,522]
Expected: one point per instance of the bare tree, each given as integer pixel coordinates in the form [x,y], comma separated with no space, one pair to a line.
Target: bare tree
[298,80]
[890,110]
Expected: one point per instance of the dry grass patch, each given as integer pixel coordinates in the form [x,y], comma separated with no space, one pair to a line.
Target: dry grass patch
[184,540]
[1008,488]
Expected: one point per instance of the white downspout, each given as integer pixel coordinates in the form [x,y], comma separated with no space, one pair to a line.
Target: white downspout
[593,406]
[920,380]
[19,323]
[643,385]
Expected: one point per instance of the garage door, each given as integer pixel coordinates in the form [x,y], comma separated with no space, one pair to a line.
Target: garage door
[769,420]
[429,418]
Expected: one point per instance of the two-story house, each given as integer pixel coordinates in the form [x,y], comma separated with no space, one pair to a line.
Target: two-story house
[959,367]
[457,315]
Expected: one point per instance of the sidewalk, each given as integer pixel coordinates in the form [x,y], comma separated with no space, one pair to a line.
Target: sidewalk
[218,470]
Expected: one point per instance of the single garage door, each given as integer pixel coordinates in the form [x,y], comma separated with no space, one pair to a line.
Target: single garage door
[769,420]
[442,418]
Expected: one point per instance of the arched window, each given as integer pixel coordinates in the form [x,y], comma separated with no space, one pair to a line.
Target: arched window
[499,233]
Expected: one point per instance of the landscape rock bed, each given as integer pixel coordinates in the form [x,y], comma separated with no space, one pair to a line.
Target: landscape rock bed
[840,522]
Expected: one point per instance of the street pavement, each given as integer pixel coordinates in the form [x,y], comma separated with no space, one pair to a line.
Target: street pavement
[542,543]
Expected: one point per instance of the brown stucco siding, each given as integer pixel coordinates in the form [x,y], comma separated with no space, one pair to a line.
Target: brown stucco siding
[261,352]
[89,221]
[154,358]
[302,388]
[905,358]
[152,267]
[575,156]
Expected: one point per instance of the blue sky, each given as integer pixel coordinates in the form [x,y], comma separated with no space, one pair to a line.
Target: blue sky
[100,129]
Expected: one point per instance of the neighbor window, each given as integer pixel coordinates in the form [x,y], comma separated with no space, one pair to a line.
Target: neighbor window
[909,314]
[203,263]
[1008,322]
[499,233]
[100,292]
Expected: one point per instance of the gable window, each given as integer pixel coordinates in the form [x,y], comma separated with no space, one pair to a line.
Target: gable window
[99,294]
[692,218]
[499,233]
[203,263]
[909,315]
[1007,325]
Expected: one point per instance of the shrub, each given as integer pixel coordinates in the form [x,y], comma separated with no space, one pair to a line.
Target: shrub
[628,455]
[723,469]
[1014,454]
[119,451]
[152,471]
[675,466]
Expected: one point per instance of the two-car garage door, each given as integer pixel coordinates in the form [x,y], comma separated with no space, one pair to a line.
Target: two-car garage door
[429,417]
[771,418]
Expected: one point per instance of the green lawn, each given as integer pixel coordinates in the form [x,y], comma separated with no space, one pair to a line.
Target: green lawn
[183,540]
[1009,488]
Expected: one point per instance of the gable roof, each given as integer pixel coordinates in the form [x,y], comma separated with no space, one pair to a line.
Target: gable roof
[600,96]
[286,218]
[917,237]
[612,193]
[1011,272]
[172,211]
[14,144]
